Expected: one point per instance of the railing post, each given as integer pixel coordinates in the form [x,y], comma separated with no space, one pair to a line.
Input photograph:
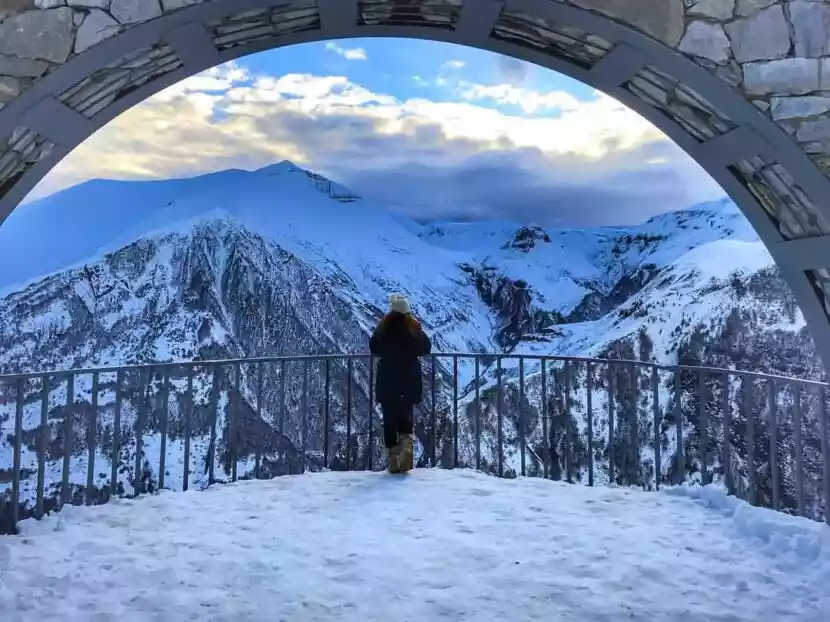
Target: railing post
[798,449]
[500,414]
[568,425]
[589,415]
[18,445]
[304,426]
[655,404]
[433,415]
[455,412]
[371,412]
[825,452]
[727,436]
[326,417]
[546,460]
[144,376]
[116,433]
[283,368]
[611,423]
[749,416]
[259,436]
[165,416]
[214,415]
[68,440]
[42,437]
[91,433]
[478,413]
[772,411]
[633,453]
[349,413]
[234,407]
[522,414]
[704,429]
[188,425]
[678,421]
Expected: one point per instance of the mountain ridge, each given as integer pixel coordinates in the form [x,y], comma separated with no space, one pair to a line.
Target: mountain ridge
[278,263]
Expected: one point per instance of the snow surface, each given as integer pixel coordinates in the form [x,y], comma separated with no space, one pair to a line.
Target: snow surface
[432,545]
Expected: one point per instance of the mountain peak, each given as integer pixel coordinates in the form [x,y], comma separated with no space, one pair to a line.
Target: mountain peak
[286,166]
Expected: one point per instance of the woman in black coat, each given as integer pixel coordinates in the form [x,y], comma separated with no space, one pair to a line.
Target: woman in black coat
[398,340]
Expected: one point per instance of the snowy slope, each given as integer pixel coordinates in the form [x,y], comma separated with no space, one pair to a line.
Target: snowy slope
[432,545]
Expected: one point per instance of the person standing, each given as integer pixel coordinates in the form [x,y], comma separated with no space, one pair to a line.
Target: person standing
[399,341]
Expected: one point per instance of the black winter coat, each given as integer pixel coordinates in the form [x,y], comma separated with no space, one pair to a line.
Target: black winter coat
[399,344]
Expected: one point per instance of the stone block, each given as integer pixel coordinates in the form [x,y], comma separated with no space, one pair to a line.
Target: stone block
[172,5]
[745,8]
[764,36]
[22,67]
[799,107]
[814,130]
[45,35]
[706,40]
[90,4]
[9,88]
[135,11]
[811,28]
[715,9]
[97,26]
[793,76]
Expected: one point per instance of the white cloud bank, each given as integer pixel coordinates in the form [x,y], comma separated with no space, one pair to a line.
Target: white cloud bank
[227,118]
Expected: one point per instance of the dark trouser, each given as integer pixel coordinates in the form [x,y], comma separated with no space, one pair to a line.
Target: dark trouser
[397,420]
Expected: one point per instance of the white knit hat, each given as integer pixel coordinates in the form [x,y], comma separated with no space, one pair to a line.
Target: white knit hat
[399,304]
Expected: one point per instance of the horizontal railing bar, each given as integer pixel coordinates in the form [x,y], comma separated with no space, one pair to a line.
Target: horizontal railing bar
[716,371]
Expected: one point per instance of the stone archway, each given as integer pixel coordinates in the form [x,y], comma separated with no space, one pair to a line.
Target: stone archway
[743,86]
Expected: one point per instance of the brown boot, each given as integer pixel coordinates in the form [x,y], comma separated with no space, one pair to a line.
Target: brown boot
[393,458]
[406,458]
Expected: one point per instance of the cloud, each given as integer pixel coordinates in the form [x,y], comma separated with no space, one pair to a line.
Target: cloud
[512,70]
[347,53]
[526,186]
[454,64]
[528,100]
[595,162]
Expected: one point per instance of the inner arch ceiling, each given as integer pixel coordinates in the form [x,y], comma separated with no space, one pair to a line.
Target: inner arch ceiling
[743,86]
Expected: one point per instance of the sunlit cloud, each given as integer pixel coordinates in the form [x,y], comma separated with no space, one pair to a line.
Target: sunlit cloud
[347,53]
[528,100]
[228,118]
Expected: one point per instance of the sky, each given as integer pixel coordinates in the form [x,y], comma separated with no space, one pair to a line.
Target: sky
[434,130]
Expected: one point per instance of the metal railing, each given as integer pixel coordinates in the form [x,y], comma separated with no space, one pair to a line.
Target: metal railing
[84,436]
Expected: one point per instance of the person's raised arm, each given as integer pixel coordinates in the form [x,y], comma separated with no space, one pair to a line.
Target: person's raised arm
[374,343]
[423,343]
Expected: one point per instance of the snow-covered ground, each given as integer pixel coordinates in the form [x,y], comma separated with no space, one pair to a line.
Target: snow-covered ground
[432,545]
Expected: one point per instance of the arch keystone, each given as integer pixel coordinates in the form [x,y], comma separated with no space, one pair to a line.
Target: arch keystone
[338,18]
[478,18]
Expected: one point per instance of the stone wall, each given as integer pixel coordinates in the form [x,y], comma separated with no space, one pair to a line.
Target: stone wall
[775,54]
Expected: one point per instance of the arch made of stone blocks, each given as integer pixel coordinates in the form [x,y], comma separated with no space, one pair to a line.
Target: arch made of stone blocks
[743,86]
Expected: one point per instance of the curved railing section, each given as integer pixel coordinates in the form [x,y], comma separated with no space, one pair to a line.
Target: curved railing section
[85,436]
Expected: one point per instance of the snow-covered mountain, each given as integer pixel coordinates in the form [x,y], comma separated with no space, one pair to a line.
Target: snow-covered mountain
[282,261]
